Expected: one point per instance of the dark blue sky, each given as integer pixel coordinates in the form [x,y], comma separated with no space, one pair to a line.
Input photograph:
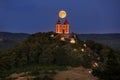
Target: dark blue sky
[84,16]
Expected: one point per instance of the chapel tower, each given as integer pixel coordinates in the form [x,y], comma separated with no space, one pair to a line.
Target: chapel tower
[62,28]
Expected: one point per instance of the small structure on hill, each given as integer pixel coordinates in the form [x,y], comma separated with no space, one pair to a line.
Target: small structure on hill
[63,30]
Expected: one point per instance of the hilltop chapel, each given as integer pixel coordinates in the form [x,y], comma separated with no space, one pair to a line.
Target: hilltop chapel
[63,30]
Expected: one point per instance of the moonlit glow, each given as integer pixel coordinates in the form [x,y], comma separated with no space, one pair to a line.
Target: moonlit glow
[62,14]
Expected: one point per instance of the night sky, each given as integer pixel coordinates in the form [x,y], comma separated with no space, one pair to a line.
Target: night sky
[84,16]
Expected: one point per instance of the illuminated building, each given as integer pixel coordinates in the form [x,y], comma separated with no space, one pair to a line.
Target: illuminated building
[62,28]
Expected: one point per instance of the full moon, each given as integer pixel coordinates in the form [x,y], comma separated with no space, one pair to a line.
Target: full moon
[62,14]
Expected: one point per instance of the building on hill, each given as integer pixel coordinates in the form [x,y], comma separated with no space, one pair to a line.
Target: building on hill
[62,28]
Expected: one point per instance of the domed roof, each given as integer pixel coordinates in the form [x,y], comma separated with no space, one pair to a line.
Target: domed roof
[58,22]
[66,22]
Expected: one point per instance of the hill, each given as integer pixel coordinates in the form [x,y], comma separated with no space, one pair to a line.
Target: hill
[8,40]
[112,40]
[48,49]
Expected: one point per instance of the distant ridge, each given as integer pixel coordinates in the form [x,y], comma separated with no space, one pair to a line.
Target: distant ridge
[99,33]
[9,40]
[110,39]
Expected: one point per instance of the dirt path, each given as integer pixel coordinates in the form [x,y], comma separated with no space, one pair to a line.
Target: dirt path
[78,73]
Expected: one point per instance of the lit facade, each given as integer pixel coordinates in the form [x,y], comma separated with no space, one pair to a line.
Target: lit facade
[62,28]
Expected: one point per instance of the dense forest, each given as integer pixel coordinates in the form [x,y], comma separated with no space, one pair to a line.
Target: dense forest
[42,49]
